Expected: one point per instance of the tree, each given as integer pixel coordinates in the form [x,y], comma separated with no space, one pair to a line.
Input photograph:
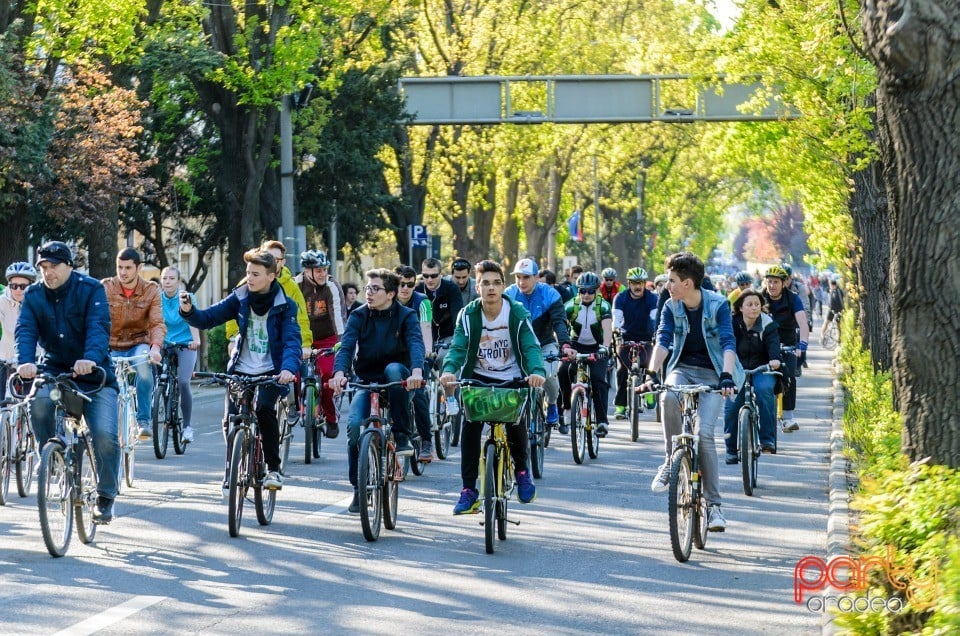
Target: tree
[915,53]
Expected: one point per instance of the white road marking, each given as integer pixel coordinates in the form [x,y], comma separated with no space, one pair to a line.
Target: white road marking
[109,617]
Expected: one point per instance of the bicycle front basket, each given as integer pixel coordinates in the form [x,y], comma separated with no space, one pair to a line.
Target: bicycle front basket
[490,404]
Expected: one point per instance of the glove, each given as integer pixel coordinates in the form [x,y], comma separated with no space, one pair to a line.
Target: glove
[802,346]
[726,381]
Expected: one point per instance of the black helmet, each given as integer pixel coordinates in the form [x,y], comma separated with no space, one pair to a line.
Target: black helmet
[588,280]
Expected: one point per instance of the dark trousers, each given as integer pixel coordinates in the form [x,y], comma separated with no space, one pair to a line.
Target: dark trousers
[623,369]
[265,408]
[790,381]
[598,381]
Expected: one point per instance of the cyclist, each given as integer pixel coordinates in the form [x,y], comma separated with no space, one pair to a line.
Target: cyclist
[633,311]
[460,274]
[350,291]
[549,321]
[447,302]
[494,342]
[180,333]
[744,282]
[610,286]
[696,324]
[758,343]
[797,286]
[326,309]
[383,342]
[787,309]
[67,314]
[419,303]
[136,326]
[834,304]
[267,343]
[591,332]
[19,276]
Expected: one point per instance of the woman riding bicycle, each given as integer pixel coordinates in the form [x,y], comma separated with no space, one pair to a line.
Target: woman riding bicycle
[180,333]
[758,343]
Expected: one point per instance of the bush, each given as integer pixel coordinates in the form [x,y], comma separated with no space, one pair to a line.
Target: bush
[217,349]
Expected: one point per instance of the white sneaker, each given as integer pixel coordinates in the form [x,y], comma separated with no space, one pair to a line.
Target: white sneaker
[273,480]
[715,520]
[188,434]
[144,432]
[661,482]
[453,407]
[790,426]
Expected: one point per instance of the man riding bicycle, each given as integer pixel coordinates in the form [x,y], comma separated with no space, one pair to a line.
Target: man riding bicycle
[633,311]
[786,309]
[549,320]
[447,301]
[610,286]
[420,304]
[834,306]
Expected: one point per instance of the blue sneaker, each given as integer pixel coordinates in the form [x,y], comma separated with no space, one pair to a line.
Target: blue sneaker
[526,491]
[553,415]
[469,502]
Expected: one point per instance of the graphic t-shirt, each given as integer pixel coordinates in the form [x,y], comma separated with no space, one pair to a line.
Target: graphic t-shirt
[495,355]
[255,355]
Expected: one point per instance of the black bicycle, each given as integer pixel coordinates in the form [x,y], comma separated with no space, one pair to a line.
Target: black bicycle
[165,410]
[748,432]
[636,402]
[534,417]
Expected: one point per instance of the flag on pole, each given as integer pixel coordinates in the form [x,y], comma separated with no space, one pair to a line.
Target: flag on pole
[573,226]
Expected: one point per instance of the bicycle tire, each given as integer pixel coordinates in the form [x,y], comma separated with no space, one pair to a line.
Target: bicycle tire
[748,450]
[546,435]
[418,467]
[158,415]
[680,504]
[538,425]
[310,429]
[129,460]
[85,501]
[264,502]
[286,434]
[6,456]
[491,495]
[391,491]
[54,499]
[578,438]
[238,479]
[443,436]
[176,421]
[635,406]
[831,337]
[592,439]
[368,482]
[700,520]
[506,487]
[26,456]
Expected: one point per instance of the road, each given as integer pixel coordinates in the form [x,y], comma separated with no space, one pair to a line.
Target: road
[591,554]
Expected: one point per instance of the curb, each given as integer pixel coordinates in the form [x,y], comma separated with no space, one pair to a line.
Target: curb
[838,520]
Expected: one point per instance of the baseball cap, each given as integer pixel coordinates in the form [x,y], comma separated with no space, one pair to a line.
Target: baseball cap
[527,267]
[55,252]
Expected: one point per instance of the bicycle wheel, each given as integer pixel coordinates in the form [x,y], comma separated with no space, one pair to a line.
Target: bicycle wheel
[443,435]
[368,482]
[593,440]
[418,467]
[538,433]
[491,495]
[578,423]
[748,450]
[159,416]
[26,456]
[54,495]
[504,499]
[264,502]
[310,431]
[175,418]
[239,477]
[391,491]
[699,518]
[6,456]
[286,434]
[831,336]
[635,406]
[85,500]
[129,447]
[680,504]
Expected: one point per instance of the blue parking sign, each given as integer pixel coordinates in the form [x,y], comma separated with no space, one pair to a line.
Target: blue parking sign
[418,235]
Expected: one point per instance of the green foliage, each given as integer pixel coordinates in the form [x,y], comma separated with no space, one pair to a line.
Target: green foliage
[217,356]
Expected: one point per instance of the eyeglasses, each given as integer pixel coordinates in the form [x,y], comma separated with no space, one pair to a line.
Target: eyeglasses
[18,285]
[587,291]
[410,284]
[437,275]
[373,289]
[491,283]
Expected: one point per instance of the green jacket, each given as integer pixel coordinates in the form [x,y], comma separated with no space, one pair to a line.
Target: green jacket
[462,356]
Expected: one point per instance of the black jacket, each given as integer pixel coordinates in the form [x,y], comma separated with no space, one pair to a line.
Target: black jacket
[758,346]
[373,339]
[447,302]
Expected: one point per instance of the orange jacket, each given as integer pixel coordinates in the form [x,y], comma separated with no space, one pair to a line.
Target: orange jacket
[135,320]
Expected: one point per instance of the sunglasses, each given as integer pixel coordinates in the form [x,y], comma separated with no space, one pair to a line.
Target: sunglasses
[437,275]
[20,286]
[409,284]
[588,291]
[609,280]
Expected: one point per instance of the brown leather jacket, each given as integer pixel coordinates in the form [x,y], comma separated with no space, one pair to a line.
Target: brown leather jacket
[135,320]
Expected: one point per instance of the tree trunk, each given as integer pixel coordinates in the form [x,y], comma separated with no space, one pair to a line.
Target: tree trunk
[510,245]
[16,237]
[915,51]
[101,242]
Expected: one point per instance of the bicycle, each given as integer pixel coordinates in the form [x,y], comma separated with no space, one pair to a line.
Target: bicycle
[247,468]
[784,351]
[308,391]
[496,405]
[534,417]
[830,336]
[17,443]
[67,481]
[636,403]
[380,470]
[126,373]
[441,425]
[686,505]
[583,435]
[165,410]
[748,431]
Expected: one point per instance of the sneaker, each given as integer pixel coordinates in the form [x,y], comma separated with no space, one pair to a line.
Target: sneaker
[293,417]
[403,446]
[332,430]
[715,520]
[187,433]
[526,491]
[621,413]
[651,401]
[426,451]
[453,407]
[732,458]
[144,432]
[769,448]
[661,481]
[563,428]
[553,415]
[790,426]
[469,502]
[225,489]
[273,480]
[602,429]
[354,506]
[103,514]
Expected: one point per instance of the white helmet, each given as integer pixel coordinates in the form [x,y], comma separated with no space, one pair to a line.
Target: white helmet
[23,270]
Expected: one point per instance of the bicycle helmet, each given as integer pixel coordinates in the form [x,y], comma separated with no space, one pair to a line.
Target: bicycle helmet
[588,280]
[788,270]
[314,258]
[636,274]
[777,271]
[23,270]
[661,279]
[609,272]
[744,278]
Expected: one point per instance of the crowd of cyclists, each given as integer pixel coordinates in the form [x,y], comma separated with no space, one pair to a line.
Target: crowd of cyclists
[474,322]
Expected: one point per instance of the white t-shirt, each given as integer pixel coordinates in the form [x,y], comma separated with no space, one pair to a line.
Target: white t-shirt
[255,356]
[496,358]
[587,317]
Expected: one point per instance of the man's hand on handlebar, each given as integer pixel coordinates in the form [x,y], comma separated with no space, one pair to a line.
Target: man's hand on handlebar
[286,377]
[27,371]
[535,380]
[337,382]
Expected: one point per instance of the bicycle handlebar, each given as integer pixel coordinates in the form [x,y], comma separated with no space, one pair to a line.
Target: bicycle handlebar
[60,379]
[764,368]
[515,383]
[239,381]
[376,386]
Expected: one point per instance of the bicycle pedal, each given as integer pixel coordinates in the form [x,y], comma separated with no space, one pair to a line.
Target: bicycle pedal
[515,522]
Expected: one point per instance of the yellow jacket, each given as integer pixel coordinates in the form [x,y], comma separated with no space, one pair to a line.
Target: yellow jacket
[292,290]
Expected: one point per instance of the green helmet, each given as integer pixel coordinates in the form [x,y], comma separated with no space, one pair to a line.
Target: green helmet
[636,274]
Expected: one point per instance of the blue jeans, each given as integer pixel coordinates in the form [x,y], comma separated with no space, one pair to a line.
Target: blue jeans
[144,380]
[101,417]
[766,404]
[360,410]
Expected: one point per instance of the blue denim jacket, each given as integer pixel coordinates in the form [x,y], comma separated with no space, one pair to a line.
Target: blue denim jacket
[717,332]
